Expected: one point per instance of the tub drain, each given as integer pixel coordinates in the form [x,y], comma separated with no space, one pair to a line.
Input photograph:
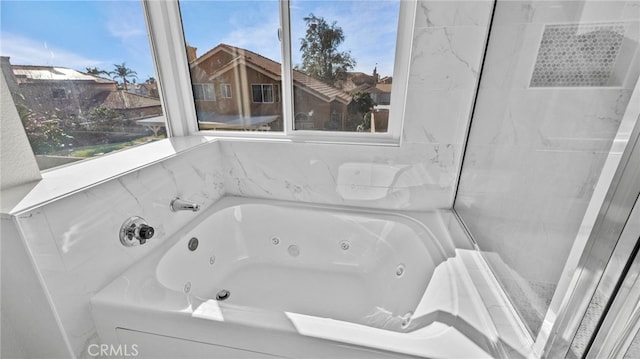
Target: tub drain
[406,320]
[223,294]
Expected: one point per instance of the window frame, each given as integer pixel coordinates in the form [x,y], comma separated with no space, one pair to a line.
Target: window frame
[59,90]
[225,90]
[263,92]
[204,86]
[166,34]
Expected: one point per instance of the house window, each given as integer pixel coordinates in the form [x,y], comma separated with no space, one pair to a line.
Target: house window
[102,118]
[225,90]
[204,92]
[59,93]
[262,93]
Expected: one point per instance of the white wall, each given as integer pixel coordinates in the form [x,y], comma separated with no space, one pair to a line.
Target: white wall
[18,165]
[29,326]
[74,240]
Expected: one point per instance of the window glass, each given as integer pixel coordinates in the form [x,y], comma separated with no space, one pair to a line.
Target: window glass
[343,53]
[204,92]
[81,76]
[225,90]
[233,46]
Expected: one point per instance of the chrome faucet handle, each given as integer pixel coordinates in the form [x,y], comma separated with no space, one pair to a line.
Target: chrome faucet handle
[135,231]
[178,204]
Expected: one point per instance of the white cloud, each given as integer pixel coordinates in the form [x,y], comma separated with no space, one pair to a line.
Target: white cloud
[125,24]
[27,51]
[261,38]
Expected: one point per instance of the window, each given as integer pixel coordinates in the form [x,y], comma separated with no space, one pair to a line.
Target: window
[106,107]
[335,81]
[225,90]
[59,93]
[262,93]
[204,92]
[339,63]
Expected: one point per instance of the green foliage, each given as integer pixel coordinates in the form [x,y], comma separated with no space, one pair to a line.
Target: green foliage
[44,131]
[96,71]
[360,112]
[105,119]
[123,72]
[361,102]
[321,58]
[100,149]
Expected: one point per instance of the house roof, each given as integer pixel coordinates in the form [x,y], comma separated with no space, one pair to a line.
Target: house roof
[51,73]
[384,87]
[120,100]
[267,65]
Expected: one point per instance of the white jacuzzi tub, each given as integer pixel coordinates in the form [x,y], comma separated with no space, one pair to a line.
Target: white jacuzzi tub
[303,282]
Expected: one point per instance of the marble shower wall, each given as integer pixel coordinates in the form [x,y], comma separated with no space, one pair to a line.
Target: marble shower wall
[447,49]
[535,154]
[74,240]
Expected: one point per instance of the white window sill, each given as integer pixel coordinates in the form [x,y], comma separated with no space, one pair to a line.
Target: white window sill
[63,181]
[303,136]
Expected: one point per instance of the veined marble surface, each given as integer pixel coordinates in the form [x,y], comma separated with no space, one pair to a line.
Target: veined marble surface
[75,244]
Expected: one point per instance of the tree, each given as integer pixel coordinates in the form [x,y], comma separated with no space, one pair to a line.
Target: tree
[321,58]
[122,72]
[105,119]
[43,130]
[360,111]
[96,71]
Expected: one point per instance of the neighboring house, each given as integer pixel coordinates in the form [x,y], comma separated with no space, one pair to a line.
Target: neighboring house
[144,89]
[233,85]
[378,88]
[130,105]
[73,94]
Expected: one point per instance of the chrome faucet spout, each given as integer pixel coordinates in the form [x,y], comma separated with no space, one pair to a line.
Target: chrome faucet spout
[180,205]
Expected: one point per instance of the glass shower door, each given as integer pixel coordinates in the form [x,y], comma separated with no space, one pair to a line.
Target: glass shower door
[552,117]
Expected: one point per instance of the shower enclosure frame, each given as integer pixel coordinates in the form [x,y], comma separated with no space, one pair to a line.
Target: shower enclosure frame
[606,260]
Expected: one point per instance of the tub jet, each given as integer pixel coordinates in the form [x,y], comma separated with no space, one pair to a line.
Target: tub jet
[193,244]
[223,294]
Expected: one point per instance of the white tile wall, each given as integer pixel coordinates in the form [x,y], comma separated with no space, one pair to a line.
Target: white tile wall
[75,242]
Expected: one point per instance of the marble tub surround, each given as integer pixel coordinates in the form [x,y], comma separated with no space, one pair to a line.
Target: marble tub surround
[422,178]
[74,240]
[535,154]
[446,56]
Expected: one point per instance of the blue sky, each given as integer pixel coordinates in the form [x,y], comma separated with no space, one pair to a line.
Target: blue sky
[80,34]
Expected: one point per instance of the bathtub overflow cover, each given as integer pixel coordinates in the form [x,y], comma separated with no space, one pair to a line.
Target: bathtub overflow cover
[223,294]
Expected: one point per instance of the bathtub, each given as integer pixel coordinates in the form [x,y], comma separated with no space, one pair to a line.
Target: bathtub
[255,278]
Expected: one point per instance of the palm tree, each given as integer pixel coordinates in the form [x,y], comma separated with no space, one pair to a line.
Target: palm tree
[96,71]
[122,71]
